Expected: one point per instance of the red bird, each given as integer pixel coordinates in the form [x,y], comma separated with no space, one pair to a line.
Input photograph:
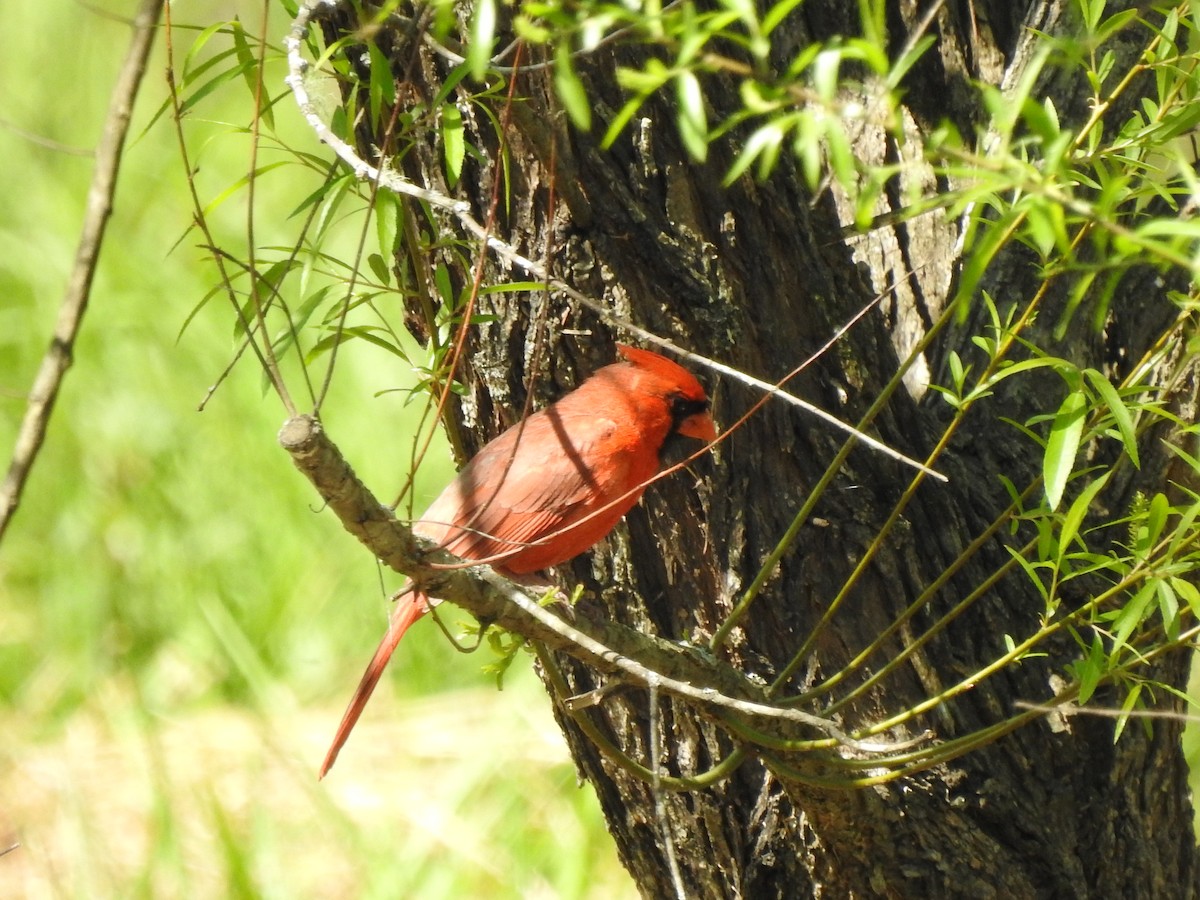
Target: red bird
[550,487]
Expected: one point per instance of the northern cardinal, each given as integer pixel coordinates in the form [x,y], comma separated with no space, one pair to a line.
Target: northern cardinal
[550,487]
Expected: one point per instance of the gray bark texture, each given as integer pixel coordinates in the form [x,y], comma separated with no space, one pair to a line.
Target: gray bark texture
[759,275]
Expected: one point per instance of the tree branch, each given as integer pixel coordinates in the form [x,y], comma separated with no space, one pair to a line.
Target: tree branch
[44,392]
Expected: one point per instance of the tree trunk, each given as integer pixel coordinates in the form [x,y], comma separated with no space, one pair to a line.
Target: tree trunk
[760,275]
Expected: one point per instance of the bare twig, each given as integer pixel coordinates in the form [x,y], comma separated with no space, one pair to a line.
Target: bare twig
[1070,709]
[34,138]
[660,802]
[44,392]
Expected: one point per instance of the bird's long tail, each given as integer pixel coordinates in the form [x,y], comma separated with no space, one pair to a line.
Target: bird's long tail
[409,608]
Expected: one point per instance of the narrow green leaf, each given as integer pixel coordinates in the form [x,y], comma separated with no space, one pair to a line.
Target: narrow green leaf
[379,268]
[245,56]
[1130,701]
[1168,608]
[483,38]
[571,90]
[901,66]
[454,145]
[441,278]
[1091,670]
[621,119]
[825,74]
[1133,614]
[1120,412]
[449,83]
[1065,433]
[195,51]
[957,372]
[1075,514]
[239,184]
[1183,529]
[693,122]
[777,14]
[1030,571]
[1189,593]
[1156,521]
[382,89]
[370,334]
[219,79]
[387,215]
[762,143]
[513,287]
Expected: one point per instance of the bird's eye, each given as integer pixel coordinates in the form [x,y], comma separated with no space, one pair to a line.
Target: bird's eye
[683,407]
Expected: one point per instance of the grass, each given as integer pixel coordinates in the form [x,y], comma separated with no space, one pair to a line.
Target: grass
[222,802]
[179,627]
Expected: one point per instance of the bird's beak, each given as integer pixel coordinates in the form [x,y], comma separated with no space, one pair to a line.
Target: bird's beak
[699,426]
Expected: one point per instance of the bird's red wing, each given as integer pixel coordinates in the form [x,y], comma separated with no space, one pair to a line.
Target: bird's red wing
[528,484]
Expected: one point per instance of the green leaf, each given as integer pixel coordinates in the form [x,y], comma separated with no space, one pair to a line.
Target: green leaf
[483,38]
[448,84]
[512,287]
[441,278]
[387,215]
[370,334]
[1091,670]
[1130,701]
[1183,529]
[825,74]
[382,88]
[1168,608]
[1076,513]
[1120,412]
[1133,614]
[901,66]
[571,90]
[379,267]
[763,146]
[1188,591]
[195,50]
[777,14]
[239,184]
[249,66]
[454,144]
[218,80]
[1150,528]
[693,122]
[1030,571]
[1065,433]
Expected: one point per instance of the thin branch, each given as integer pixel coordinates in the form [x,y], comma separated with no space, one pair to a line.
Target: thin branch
[260,313]
[44,392]
[1070,709]
[34,138]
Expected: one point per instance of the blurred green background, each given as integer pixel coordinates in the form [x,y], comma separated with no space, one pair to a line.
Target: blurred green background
[179,626]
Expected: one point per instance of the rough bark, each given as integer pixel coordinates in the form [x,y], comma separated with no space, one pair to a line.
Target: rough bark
[760,275]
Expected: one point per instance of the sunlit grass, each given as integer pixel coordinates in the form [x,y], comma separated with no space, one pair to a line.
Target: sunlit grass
[460,794]
[179,624]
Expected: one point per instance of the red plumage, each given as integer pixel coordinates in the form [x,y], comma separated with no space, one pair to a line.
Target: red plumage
[552,486]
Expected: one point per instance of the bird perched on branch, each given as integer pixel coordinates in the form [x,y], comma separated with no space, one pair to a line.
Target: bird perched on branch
[553,485]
